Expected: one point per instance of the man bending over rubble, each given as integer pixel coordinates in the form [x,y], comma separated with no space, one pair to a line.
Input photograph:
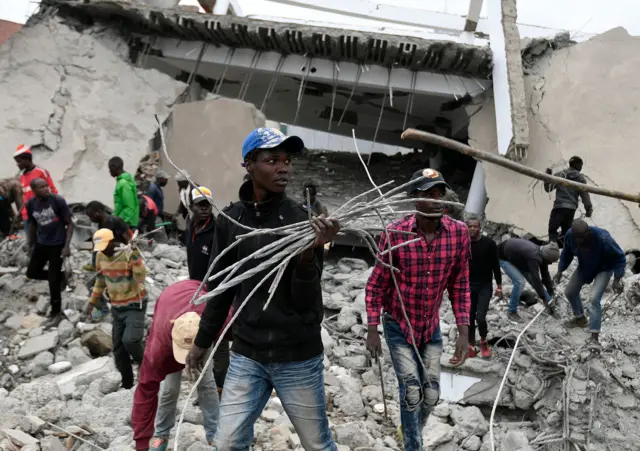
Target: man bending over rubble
[50,232]
[175,325]
[122,274]
[279,348]
[524,261]
[599,258]
[438,262]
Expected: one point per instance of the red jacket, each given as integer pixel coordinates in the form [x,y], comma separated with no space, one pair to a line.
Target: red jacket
[25,180]
[151,205]
[158,360]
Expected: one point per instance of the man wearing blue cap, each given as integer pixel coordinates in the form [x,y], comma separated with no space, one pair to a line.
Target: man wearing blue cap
[280,348]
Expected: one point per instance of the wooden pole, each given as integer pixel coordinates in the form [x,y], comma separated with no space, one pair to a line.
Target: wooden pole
[419,135]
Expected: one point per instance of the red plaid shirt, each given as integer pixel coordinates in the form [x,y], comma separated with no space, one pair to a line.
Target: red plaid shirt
[426,270]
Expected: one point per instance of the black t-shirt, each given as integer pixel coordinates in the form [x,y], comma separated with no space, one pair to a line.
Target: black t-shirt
[121,230]
[484,262]
[49,215]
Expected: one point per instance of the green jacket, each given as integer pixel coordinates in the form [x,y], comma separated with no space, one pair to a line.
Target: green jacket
[125,199]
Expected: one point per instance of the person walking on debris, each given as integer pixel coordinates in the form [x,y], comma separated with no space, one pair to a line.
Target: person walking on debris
[50,232]
[524,261]
[29,172]
[155,191]
[199,239]
[566,203]
[599,258]
[438,262]
[485,266]
[125,197]
[174,327]
[184,194]
[148,214]
[279,348]
[122,274]
[317,207]
[10,193]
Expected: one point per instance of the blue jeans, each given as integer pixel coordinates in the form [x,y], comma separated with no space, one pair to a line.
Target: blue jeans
[300,387]
[168,402]
[519,280]
[419,392]
[572,291]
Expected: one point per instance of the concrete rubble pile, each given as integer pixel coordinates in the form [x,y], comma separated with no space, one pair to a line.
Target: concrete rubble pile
[70,92]
[581,101]
[65,377]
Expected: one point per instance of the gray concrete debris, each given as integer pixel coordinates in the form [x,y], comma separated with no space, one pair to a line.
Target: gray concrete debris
[39,344]
[52,443]
[98,341]
[20,438]
[59,367]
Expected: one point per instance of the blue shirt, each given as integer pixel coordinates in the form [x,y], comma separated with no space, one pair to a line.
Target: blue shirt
[157,195]
[602,254]
[49,215]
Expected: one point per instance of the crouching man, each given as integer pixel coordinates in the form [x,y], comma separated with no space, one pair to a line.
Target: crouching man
[122,274]
[438,261]
[174,328]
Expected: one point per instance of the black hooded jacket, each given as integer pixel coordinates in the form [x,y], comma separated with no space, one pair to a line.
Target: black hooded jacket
[199,242]
[289,329]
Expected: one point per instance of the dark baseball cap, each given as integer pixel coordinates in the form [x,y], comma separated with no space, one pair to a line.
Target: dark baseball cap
[425,179]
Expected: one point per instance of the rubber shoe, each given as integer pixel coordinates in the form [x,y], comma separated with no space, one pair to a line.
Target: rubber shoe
[158,444]
[513,316]
[473,351]
[485,349]
[576,321]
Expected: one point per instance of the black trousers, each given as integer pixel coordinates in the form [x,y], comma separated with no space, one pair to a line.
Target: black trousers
[5,218]
[128,344]
[147,223]
[40,257]
[480,297]
[560,218]
[221,363]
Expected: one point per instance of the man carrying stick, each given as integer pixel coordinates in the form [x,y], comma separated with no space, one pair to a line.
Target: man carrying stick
[279,348]
[438,261]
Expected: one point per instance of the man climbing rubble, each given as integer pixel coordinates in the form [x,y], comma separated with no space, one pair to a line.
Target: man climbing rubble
[279,348]
[122,274]
[175,325]
[524,261]
[148,214]
[50,232]
[29,172]
[10,193]
[125,197]
[599,258]
[566,203]
[439,261]
[155,191]
[485,266]
[199,239]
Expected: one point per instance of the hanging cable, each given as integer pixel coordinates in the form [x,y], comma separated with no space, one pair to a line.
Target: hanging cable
[247,79]
[272,83]
[389,87]
[303,85]
[227,61]
[375,134]
[194,71]
[410,99]
[353,90]
[336,71]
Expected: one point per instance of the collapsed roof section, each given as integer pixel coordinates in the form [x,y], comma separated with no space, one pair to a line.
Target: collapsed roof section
[338,45]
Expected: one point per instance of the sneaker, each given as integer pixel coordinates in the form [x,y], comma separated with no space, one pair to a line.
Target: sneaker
[473,351]
[513,316]
[485,349]
[594,345]
[158,444]
[576,321]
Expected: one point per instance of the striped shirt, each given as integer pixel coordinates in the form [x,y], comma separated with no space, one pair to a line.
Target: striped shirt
[123,279]
[426,270]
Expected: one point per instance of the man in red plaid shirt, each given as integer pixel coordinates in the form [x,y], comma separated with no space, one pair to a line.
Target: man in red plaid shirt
[439,260]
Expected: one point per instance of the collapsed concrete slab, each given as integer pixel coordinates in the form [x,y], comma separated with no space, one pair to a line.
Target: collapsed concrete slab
[70,93]
[582,101]
[205,139]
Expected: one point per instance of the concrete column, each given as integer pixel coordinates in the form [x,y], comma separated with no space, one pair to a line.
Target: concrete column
[508,80]
[477,199]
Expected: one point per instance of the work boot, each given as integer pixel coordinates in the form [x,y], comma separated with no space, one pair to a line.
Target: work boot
[53,320]
[158,444]
[473,351]
[594,344]
[513,316]
[576,321]
[485,349]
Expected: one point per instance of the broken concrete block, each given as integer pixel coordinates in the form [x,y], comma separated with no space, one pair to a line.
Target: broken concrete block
[14,322]
[32,424]
[83,374]
[20,438]
[52,443]
[39,344]
[98,341]
[59,367]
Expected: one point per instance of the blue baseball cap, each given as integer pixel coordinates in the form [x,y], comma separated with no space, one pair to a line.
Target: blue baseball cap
[269,138]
